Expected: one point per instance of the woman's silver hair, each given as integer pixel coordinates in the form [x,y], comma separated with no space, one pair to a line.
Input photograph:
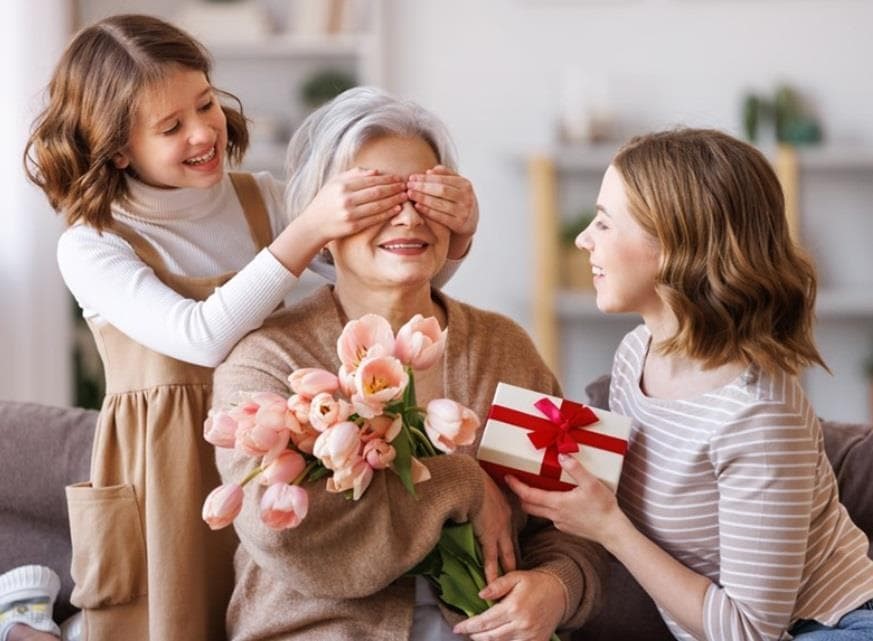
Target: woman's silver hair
[330,138]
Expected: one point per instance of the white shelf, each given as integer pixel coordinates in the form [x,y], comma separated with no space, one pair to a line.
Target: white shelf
[592,159]
[831,304]
[287,46]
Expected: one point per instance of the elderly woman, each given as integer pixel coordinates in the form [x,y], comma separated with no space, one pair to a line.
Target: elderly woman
[340,574]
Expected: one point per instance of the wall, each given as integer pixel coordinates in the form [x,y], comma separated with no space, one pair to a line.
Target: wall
[492,68]
[34,306]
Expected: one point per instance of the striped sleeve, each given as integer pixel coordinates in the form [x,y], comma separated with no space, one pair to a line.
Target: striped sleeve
[765,466]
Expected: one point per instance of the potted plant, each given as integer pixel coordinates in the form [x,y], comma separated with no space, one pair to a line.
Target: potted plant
[575,267]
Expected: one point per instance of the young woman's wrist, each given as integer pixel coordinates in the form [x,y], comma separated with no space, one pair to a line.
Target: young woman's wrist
[620,536]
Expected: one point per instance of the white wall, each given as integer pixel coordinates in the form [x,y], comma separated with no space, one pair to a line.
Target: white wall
[34,324]
[492,69]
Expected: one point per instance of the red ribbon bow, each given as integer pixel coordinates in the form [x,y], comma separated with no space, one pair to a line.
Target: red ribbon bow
[559,433]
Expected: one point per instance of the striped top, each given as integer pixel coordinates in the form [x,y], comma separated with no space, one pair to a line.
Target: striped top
[735,484]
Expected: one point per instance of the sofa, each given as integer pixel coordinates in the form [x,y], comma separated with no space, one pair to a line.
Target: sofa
[45,448]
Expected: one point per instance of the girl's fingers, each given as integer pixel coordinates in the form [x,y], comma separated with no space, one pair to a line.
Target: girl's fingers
[441,205]
[376,193]
[356,181]
[441,190]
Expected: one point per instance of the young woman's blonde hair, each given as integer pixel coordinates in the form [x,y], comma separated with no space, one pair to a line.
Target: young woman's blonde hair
[92,98]
[739,286]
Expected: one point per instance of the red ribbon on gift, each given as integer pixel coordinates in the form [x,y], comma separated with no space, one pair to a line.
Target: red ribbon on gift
[560,432]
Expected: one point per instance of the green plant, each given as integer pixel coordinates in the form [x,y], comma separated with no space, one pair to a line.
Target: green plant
[868,366]
[572,227]
[325,85]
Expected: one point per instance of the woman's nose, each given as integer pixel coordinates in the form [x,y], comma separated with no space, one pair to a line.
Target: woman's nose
[583,240]
[408,216]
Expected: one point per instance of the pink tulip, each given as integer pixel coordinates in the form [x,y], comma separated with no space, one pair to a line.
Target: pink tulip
[354,476]
[420,471]
[222,505]
[310,381]
[286,467]
[370,335]
[284,506]
[325,410]
[450,424]
[378,381]
[383,427]
[378,454]
[244,412]
[337,445]
[260,440]
[299,406]
[304,440]
[273,413]
[219,428]
[420,342]
[346,381]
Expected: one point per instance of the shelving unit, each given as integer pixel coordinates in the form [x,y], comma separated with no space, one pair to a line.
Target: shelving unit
[578,341]
[267,75]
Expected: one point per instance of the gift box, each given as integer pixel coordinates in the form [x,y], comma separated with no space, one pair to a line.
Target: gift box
[526,431]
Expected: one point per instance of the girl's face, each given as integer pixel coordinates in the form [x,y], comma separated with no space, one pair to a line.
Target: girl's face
[624,257]
[408,249]
[178,134]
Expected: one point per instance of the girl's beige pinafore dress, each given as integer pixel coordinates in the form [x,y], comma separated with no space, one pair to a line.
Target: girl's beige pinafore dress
[145,565]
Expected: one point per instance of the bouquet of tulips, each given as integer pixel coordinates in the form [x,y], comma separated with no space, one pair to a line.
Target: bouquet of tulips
[347,427]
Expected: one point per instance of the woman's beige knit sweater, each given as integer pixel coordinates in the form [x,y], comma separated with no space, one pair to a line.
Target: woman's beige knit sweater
[339,574]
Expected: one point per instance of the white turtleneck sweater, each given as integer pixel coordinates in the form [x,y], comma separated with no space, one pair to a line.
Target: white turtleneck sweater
[198,233]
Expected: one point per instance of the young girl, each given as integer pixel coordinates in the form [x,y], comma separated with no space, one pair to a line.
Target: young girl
[173,261]
[727,511]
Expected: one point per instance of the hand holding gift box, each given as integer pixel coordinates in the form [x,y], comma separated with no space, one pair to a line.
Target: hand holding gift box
[526,431]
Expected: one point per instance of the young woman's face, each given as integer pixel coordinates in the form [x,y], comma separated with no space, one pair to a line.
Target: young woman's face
[409,249]
[624,257]
[178,134]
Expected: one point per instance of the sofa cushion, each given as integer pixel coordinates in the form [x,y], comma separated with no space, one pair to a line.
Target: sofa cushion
[44,449]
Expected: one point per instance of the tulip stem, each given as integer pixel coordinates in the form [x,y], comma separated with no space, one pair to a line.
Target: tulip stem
[306,470]
[257,470]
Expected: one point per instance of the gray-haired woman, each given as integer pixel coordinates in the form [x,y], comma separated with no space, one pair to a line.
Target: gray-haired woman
[340,574]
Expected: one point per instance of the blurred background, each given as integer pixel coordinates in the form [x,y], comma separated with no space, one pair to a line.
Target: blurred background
[538,95]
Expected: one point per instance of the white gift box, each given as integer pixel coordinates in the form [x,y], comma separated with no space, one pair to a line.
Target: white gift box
[520,416]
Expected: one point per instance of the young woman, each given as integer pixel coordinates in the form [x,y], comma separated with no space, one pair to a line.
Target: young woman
[727,512]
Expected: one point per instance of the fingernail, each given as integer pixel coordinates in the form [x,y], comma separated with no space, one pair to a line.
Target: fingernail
[564,459]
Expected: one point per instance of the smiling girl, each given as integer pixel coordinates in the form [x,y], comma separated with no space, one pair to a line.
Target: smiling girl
[173,260]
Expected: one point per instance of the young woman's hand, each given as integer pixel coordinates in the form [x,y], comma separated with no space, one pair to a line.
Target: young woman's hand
[493,528]
[531,604]
[349,202]
[447,198]
[589,510]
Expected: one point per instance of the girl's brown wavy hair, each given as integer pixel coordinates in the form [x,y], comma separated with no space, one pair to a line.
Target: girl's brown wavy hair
[92,98]
[740,288]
